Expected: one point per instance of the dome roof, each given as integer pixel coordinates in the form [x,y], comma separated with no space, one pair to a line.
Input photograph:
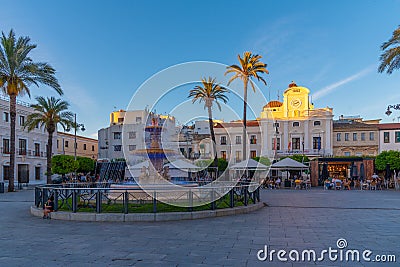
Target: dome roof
[273,104]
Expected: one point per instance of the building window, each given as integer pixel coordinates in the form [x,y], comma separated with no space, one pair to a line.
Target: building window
[22,146]
[295,143]
[117,135]
[386,137]
[371,136]
[66,143]
[84,146]
[120,120]
[317,123]
[346,137]
[354,136]
[237,156]
[37,150]
[358,154]
[223,155]
[138,119]
[362,136]
[238,139]
[21,120]
[92,147]
[5,116]
[132,147]
[223,140]
[132,135]
[317,142]
[347,154]
[6,146]
[338,137]
[58,141]
[253,139]
[296,124]
[397,137]
[253,154]
[117,148]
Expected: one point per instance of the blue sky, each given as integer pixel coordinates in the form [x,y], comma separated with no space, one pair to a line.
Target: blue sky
[104,51]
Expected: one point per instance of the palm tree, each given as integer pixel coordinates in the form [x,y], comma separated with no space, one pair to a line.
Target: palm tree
[17,73]
[209,92]
[250,67]
[390,59]
[49,112]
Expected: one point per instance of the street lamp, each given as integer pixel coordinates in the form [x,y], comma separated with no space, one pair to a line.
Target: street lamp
[276,139]
[396,107]
[76,125]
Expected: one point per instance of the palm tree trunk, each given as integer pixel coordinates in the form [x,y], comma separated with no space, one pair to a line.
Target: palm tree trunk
[49,155]
[13,115]
[214,147]
[244,137]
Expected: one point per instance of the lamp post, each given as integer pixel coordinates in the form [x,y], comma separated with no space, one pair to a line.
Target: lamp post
[276,140]
[396,107]
[76,125]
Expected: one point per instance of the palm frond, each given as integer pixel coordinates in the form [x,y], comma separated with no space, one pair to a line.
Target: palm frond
[390,58]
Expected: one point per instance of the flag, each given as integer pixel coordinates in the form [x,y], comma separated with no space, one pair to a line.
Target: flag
[289,145]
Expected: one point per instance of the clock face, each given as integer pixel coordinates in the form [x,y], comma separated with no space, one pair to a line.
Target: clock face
[296,103]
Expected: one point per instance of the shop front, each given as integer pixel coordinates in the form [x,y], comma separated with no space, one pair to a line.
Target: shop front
[342,168]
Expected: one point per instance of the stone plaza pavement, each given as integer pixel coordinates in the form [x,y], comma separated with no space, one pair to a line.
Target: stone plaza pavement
[313,219]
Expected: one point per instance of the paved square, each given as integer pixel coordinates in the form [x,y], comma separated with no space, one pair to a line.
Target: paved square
[294,219]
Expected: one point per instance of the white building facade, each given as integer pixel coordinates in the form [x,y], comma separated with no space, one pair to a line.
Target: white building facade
[294,126]
[30,160]
[132,124]
[389,136]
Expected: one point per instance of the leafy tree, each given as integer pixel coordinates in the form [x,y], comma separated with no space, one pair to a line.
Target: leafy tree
[63,164]
[300,158]
[390,59]
[390,157]
[263,160]
[250,67]
[48,113]
[85,164]
[209,92]
[222,164]
[17,72]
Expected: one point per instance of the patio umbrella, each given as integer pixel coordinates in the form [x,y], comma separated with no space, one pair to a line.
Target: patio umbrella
[362,172]
[387,174]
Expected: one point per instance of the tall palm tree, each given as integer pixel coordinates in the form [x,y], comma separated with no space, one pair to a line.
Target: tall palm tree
[250,67]
[209,92]
[390,59]
[17,73]
[49,112]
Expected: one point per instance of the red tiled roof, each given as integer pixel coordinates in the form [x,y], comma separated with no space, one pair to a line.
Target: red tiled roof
[273,104]
[251,123]
[389,126]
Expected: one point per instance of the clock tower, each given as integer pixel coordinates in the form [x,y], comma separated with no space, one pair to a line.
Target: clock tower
[296,101]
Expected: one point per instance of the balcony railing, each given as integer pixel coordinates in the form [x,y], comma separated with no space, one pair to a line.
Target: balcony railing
[24,152]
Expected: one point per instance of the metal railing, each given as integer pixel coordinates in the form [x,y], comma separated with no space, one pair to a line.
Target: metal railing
[100,198]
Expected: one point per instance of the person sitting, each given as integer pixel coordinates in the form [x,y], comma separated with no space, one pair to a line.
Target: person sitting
[327,184]
[373,184]
[48,207]
[346,184]
[278,183]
